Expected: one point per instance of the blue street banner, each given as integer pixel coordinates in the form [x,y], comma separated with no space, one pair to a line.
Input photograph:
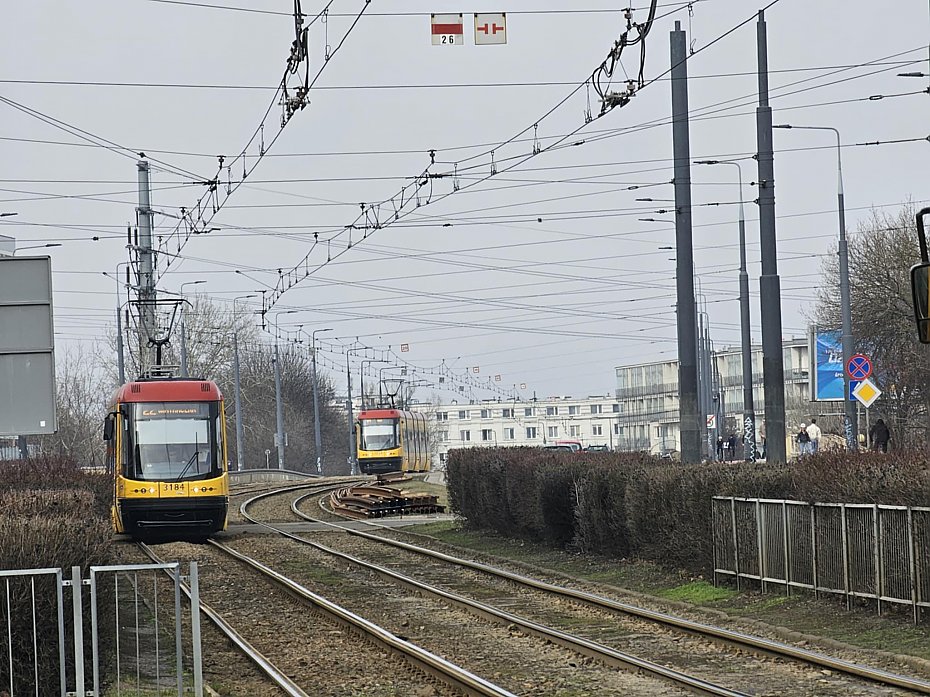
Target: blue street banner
[827,369]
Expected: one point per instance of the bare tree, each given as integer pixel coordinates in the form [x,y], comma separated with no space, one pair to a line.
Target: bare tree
[82,393]
[881,254]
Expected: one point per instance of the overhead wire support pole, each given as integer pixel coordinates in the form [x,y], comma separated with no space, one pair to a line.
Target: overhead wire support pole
[146,293]
[317,432]
[773,369]
[690,417]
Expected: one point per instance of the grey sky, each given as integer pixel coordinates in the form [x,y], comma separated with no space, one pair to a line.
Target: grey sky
[564,300]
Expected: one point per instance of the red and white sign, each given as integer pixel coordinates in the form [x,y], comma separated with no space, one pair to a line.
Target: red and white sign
[490,28]
[447,30]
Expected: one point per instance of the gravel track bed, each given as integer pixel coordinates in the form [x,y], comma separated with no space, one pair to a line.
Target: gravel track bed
[225,667]
[325,659]
[723,665]
[521,664]
[677,609]
[275,509]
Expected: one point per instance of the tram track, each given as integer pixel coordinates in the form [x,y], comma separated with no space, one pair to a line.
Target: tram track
[828,665]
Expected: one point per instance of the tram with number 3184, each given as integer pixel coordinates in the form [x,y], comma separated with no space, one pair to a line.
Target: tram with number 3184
[166,447]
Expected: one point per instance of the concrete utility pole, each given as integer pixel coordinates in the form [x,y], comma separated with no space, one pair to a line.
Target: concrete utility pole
[353,460]
[146,291]
[851,419]
[278,397]
[237,387]
[317,432]
[687,341]
[773,366]
[749,411]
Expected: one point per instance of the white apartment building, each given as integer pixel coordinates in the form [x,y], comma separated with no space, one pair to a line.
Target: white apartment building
[647,395]
[536,422]
[641,416]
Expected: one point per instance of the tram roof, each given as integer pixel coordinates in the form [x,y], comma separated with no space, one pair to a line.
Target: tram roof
[170,390]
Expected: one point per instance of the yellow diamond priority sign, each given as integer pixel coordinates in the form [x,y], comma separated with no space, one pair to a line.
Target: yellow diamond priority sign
[867,392]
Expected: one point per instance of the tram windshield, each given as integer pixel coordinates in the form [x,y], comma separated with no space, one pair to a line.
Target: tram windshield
[173,441]
[378,434]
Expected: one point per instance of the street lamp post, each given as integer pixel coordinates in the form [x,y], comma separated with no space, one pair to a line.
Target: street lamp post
[317,433]
[120,355]
[749,412]
[361,373]
[278,401]
[240,434]
[850,427]
[184,327]
[36,246]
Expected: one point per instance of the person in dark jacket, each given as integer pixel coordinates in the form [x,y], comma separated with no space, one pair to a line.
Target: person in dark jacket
[731,443]
[879,435]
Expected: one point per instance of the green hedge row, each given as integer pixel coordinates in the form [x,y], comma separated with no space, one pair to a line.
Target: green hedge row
[52,515]
[634,505]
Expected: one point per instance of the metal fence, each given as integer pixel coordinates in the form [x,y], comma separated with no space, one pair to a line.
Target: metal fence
[131,644]
[852,550]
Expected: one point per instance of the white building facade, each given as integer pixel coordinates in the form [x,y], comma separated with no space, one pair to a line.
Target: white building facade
[648,397]
[537,422]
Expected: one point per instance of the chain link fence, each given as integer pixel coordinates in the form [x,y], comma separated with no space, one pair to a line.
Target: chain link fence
[867,551]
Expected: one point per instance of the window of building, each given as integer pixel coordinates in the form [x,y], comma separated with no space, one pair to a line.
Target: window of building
[528,411]
[463,414]
[464,435]
[530,432]
[618,430]
[595,408]
[442,416]
[508,434]
[574,431]
[553,431]
[442,457]
[597,430]
[573,410]
[507,413]
[616,408]
[443,436]
[552,411]
[487,434]
[485,413]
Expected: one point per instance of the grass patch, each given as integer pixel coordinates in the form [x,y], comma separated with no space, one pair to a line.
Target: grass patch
[698,593]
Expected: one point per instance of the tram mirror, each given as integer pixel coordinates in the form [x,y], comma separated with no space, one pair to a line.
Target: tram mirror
[920,288]
[108,426]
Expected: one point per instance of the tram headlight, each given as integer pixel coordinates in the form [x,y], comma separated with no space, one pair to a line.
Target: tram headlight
[151,491]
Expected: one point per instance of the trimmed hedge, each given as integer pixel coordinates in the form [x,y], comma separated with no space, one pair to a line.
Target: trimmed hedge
[52,515]
[632,504]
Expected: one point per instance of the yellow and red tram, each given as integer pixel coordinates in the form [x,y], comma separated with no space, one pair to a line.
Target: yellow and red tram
[391,440]
[166,447]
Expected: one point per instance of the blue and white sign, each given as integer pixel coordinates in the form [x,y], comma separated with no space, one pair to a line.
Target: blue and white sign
[827,370]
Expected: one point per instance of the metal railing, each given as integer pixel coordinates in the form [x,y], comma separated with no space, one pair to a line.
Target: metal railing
[867,551]
[134,641]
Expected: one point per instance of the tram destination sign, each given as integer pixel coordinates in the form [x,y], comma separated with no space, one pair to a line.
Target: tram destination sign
[27,347]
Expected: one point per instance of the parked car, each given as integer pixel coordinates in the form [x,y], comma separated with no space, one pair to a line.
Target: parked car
[561,447]
[597,448]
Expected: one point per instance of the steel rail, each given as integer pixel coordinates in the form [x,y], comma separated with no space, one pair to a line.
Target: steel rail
[585,647]
[738,639]
[260,660]
[429,663]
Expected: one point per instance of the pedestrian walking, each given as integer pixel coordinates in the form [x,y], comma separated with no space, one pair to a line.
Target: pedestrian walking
[879,435]
[719,448]
[813,432]
[731,442]
[803,440]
